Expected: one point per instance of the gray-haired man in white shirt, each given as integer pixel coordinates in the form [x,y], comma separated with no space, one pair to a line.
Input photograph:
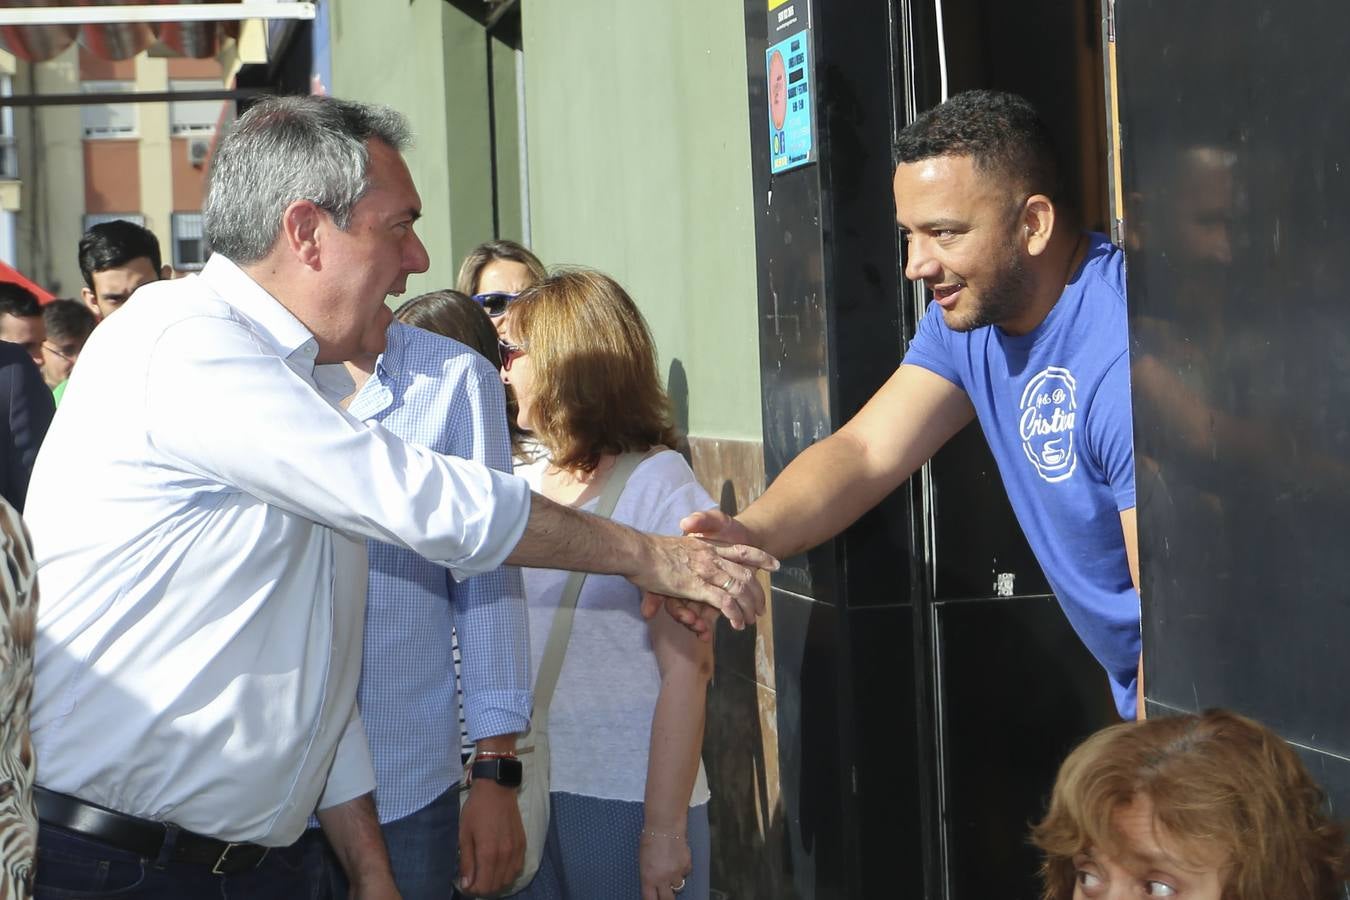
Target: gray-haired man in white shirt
[200,633]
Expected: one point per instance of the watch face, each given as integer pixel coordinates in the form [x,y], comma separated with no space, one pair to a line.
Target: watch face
[509,772]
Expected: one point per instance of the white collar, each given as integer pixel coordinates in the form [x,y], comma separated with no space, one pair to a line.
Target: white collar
[287,334]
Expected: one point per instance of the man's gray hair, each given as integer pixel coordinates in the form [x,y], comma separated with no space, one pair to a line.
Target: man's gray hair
[286,149]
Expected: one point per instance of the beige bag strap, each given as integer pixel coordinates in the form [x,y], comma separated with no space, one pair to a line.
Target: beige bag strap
[550,667]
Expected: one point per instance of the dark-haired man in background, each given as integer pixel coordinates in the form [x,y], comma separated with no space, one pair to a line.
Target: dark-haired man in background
[1027,333]
[116,258]
[21,320]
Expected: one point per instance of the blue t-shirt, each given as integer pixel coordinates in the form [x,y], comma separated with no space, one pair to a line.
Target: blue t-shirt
[1055,407]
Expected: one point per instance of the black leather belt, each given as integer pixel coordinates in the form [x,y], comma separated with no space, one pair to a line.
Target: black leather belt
[159,842]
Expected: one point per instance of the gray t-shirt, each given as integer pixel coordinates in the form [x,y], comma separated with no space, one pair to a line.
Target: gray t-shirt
[600,720]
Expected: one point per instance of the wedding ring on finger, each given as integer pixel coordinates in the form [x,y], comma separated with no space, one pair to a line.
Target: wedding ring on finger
[730,582]
[678,887]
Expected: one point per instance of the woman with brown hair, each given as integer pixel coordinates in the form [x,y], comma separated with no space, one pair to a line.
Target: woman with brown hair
[453,315]
[495,272]
[1200,807]
[628,792]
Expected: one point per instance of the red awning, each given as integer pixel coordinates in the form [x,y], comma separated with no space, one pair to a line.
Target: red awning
[188,36]
[17,277]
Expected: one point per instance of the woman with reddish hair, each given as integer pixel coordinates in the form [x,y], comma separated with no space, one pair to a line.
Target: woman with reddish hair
[1198,807]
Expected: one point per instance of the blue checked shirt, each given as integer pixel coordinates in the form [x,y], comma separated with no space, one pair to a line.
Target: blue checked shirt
[437,393]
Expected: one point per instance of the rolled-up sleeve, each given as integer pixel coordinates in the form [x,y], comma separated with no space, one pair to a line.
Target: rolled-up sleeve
[489,609]
[352,773]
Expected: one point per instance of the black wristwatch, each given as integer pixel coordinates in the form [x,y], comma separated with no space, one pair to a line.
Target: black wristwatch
[504,770]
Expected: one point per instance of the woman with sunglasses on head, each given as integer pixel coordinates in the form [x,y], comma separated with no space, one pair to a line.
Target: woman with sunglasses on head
[493,274]
[629,793]
[1196,807]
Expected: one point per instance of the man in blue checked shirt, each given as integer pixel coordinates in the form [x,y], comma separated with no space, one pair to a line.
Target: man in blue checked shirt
[439,394]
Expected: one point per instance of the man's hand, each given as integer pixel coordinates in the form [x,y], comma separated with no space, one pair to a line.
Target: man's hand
[700,618]
[712,572]
[716,525]
[713,525]
[718,574]
[491,839]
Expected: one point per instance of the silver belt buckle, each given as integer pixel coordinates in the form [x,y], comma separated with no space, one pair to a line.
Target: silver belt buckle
[224,854]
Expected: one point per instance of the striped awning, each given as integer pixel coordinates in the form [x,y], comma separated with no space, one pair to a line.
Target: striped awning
[38,30]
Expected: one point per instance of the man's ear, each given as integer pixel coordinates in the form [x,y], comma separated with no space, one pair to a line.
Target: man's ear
[91,301]
[300,226]
[1038,223]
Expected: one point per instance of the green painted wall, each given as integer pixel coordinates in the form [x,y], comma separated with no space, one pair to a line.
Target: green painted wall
[639,158]
[504,95]
[423,58]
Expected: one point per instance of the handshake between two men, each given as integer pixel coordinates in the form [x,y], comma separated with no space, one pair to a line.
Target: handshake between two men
[740,598]
[718,573]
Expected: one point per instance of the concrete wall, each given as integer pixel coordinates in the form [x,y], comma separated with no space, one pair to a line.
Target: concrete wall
[51,169]
[426,59]
[639,150]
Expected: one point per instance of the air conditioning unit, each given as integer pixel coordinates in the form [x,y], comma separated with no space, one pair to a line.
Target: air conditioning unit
[198,149]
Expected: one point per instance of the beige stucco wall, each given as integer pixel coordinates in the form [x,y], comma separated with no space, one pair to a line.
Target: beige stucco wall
[156,165]
[51,170]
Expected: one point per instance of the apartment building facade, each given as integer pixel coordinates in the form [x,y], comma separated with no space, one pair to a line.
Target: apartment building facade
[67,166]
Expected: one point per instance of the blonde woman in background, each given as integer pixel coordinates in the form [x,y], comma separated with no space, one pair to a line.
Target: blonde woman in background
[494,273]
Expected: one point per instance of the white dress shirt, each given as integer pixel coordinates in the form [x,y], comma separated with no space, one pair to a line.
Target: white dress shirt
[199,512]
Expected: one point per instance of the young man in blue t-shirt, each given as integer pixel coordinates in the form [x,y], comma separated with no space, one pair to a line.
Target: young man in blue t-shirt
[1027,333]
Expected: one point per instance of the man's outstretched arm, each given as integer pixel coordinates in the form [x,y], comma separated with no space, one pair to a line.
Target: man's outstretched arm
[832,483]
[721,575]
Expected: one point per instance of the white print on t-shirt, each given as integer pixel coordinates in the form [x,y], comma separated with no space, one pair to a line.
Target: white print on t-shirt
[1049,407]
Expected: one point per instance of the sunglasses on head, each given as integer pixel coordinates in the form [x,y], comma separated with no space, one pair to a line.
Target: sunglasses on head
[494,303]
[509,353]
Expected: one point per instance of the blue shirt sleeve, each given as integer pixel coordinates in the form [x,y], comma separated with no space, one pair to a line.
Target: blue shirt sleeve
[931,349]
[489,609]
[1110,432]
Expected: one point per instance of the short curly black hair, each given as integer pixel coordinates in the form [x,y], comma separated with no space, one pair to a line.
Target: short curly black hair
[110,245]
[1002,134]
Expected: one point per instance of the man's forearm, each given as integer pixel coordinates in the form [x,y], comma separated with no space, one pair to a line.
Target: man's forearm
[353,830]
[824,490]
[832,483]
[719,574]
[559,537]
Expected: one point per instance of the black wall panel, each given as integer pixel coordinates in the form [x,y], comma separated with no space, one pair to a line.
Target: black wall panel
[1237,172]
[1019,691]
[915,734]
